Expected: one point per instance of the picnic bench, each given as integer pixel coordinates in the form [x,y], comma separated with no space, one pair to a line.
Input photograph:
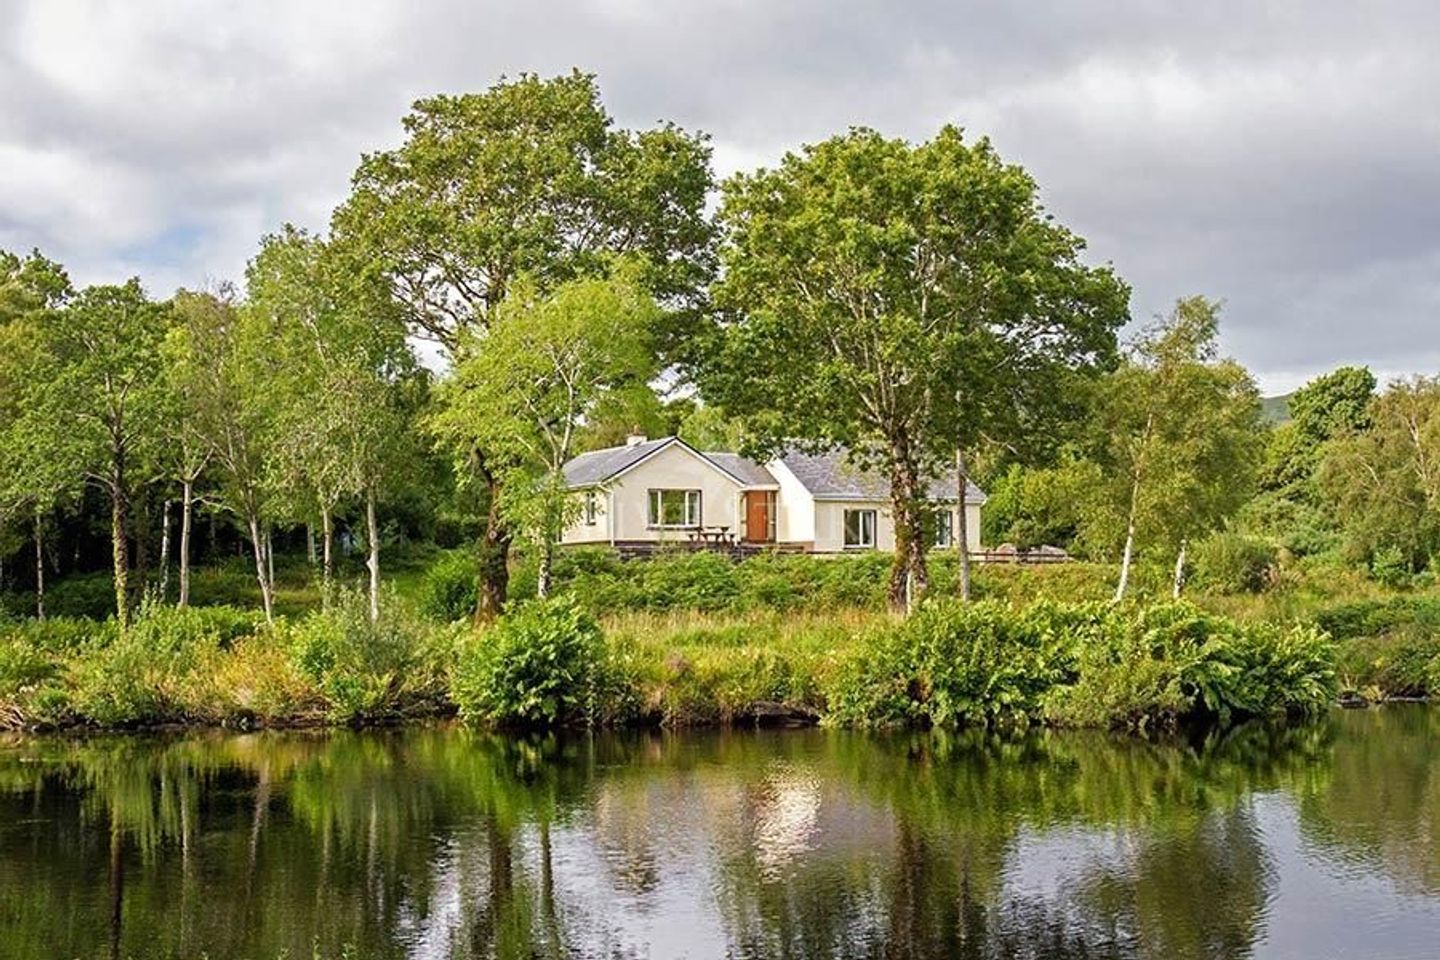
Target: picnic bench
[713,535]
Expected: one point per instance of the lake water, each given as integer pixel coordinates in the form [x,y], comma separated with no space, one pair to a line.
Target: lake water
[1320,840]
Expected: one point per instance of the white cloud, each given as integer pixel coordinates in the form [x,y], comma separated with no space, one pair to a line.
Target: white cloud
[1280,156]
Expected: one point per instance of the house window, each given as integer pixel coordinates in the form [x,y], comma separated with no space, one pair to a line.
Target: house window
[674,508]
[592,507]
[859,529]
[944,528]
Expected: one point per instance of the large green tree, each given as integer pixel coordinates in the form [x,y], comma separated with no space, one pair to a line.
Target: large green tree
[529,178]
[104,392]
[901,300]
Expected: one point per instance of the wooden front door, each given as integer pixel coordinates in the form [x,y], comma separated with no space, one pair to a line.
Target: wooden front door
[760,516]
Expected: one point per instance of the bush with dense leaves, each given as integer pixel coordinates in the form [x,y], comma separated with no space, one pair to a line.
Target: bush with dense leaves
[540,664]
[1078,665]
[367,670]
[450,588]
[1233,563]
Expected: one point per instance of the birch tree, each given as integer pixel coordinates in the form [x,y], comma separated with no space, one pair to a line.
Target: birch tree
[528,388]
[221,356]
[39,461]
[1180,436]
[346,383]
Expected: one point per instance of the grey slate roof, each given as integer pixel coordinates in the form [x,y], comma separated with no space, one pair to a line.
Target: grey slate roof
[597,466]
[742,468]
[828,477]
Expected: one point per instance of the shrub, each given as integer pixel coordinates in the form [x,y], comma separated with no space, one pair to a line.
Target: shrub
[687,580]
[365,670]
[1401,662]
[954,663]
[539,664]
[449,590]
[1077,665]
[1390,568]
[1233,563]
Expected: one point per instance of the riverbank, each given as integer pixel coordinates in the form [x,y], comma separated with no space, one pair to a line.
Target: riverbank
[554,663]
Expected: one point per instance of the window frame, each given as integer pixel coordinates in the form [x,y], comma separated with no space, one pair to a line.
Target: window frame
[655,508]
[873,528]
[592,508]
[944,529]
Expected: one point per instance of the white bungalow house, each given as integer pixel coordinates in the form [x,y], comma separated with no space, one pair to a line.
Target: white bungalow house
[656,491]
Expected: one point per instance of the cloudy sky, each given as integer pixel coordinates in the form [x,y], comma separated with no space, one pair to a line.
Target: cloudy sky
[1283,156]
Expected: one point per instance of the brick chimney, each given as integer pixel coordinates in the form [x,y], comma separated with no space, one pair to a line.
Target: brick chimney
[635,439]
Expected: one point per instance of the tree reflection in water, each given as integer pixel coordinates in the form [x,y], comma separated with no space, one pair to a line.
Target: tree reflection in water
[442,842]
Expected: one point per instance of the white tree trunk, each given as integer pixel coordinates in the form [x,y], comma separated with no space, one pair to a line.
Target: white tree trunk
[187,512]
[372,534]
[1125,562]
[1179,582]
[257,543]
[962,522]
[327,547]
[39,566]
[164,551]
[1129,541]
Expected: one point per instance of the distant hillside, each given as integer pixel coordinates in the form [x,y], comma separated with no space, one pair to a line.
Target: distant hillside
[1275,409]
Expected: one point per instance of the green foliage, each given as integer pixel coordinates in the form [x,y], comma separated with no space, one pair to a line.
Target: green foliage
[539,664]
[366,670]
[1086,665]
[1230,562]
[449,589]
[1370,618]
[1169,662]
[839,335]
[952,664]
[1378,481]
[1390,567]
[1178,436]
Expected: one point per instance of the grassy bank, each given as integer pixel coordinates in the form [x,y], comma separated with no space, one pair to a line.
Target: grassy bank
[694,639]
[948,665]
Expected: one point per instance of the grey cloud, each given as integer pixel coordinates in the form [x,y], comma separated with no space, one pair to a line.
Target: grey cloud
[1279,155]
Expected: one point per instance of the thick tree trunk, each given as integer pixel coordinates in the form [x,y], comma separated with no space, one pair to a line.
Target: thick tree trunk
[187,511]
[1179,582]
[962,521]
[909,576]
[164,551]
[257,543]
[494,548]
[39,566]
[372,562]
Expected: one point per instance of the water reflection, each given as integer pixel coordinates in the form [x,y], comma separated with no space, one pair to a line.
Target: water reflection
[442,842]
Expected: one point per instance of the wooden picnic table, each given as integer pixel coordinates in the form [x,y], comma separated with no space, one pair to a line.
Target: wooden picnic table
[718,534]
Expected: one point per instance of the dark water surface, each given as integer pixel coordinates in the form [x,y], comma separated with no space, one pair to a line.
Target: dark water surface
[1313,841]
